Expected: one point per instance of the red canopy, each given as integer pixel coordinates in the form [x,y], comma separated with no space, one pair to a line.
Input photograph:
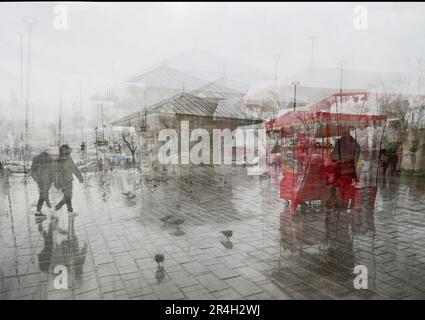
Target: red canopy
[327,123]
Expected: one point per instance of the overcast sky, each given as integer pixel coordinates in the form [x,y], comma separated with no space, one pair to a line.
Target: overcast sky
[134,36]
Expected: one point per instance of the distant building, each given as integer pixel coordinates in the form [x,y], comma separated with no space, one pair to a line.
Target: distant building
[199,112]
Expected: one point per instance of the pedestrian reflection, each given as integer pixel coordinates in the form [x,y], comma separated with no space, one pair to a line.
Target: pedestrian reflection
[50,242]
[160,271]
[228,234]
[61,251]
[330,241]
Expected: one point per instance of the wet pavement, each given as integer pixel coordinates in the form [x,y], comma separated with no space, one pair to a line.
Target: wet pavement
[221,235]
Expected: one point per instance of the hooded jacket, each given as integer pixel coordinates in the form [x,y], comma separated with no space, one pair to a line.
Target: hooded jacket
[65,168]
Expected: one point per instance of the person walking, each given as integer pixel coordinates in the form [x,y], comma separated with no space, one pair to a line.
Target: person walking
[42,173]
[345,156]
[65,169]
[392,162]
[384,160]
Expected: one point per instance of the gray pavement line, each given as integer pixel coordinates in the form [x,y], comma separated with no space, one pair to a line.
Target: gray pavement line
[29,264]
[114,262]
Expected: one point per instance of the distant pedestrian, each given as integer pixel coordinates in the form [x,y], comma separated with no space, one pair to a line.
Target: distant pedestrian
[345,156]
[65,169]
[384,160]
[42,173]
[392,161]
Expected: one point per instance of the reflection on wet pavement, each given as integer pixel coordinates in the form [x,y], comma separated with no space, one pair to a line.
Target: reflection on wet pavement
[211,233]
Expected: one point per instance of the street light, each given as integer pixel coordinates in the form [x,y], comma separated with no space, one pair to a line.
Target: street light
[30,22]
[295,84]
[341,68]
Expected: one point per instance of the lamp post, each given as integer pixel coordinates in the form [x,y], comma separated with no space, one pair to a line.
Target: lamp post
[341,69]
[295,84]
[30,22]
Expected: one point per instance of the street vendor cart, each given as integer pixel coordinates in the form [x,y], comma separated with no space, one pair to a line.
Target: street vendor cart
[328,156]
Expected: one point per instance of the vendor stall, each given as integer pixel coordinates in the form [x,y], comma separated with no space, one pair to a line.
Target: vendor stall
[331,157]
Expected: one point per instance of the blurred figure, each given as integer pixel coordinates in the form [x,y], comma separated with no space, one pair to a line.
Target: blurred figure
[42,173]
[345,155]
[65,169]
[50,243]
[392,161]
[384,160]
[57,250]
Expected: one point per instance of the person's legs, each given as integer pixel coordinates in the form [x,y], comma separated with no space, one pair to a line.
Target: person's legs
[41,198]
[40,203]
[384,168]
[46,195]
[68,202]
[60,204]
[68,196]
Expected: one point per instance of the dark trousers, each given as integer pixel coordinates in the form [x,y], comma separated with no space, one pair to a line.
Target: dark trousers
[43,195]
[67,197]
[384,168]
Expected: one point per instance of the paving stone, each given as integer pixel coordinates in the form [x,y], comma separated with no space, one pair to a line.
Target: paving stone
[110,251]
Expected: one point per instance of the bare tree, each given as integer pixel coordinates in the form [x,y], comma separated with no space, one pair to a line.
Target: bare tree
[131,142]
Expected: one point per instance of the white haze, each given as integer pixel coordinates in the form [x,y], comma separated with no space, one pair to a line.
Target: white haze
[130,37]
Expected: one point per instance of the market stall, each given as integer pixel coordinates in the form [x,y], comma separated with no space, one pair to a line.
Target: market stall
[331,157]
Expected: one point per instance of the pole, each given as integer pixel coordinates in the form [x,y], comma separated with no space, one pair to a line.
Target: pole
[22,74]
[103,126]
[295,84]
[81,113]
[341,68]
[30,23]
[60,111]
[28,86]
[276,62]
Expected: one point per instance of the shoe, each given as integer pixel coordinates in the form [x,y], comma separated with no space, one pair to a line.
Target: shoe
[72,214]
[39,214]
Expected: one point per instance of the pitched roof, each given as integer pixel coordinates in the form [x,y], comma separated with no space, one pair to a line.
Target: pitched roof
[285,93]
[166,77]
[234,109]
[185,103]
[182,103]
[232,84]
[210,66]
[215,90]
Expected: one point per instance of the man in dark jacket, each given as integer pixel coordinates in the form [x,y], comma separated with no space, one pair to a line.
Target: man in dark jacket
[65,168]
[42,173]
[345,156]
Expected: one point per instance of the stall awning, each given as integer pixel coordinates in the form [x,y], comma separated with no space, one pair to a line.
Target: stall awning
[325,123]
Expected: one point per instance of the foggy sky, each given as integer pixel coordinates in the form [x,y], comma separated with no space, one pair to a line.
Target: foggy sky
[130,37]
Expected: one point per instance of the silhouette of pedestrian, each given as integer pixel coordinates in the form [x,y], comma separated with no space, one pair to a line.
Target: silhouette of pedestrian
[345,156]
[42,173]
[392,161]
[65,169]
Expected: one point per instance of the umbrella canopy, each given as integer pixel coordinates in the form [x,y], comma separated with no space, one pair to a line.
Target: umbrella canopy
[324,124]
